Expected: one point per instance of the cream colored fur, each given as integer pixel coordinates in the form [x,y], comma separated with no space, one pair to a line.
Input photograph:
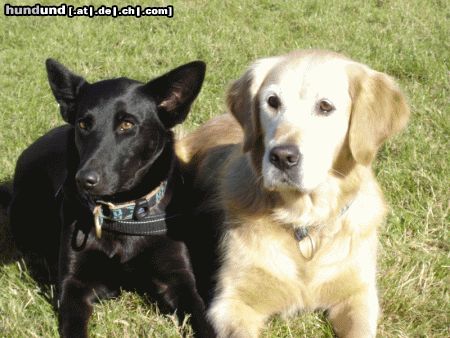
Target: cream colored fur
[265,270]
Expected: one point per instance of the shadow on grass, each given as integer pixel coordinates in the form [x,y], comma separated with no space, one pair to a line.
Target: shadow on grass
[35,266]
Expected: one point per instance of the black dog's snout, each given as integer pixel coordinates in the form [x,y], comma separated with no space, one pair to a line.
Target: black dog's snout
[87,179]
[285,156]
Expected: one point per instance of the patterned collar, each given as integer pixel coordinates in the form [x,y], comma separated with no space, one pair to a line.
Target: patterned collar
[141,217]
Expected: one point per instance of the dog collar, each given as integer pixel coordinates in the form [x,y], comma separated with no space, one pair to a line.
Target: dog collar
[307,248]
[141,217]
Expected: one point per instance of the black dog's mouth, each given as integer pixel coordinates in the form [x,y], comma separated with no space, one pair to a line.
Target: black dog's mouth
[91,200]
[106,192]
[86,199]
[119,196]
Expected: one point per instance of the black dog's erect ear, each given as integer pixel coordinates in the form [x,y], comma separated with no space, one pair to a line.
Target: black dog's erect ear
[175,91]
[65,87]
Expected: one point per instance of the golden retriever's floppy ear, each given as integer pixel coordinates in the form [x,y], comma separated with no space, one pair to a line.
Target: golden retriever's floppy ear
[379,110]
[241,94]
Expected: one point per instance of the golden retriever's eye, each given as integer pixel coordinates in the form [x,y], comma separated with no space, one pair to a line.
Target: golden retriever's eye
[125,125]
[274,102]
[325,107]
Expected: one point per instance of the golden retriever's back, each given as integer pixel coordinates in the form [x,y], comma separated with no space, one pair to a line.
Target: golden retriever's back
[220,131]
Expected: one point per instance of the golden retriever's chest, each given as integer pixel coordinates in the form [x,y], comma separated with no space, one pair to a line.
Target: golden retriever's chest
[270,269]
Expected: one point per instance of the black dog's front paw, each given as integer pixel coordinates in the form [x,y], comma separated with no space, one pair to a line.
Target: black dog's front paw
[73,319]
[73,330]
[73,326]
[183,298]
[75,309]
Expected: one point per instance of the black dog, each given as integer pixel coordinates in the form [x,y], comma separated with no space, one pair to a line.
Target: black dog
[96,195]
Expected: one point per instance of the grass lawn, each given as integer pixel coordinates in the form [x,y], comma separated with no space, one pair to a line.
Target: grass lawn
[408,39]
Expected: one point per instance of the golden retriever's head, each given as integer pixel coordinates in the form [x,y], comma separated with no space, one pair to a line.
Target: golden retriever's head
[305,112]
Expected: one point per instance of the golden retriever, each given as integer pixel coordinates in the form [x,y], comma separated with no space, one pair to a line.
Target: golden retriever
[292,173]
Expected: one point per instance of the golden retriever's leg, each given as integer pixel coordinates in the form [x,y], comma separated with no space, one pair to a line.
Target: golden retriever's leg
[232,318]
[357,316]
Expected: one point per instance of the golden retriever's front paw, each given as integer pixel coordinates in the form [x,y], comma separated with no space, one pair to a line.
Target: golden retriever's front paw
[235,320]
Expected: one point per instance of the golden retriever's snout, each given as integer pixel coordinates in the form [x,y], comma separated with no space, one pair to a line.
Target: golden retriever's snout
[285,157]
[282,168]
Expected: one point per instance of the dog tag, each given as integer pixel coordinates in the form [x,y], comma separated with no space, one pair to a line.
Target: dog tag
[307,247]
[98,224]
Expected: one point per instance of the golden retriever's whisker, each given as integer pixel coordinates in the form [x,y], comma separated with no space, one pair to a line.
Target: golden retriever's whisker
[259,179]
[337,172]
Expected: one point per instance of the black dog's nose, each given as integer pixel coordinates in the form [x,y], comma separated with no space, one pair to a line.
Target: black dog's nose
[87,179]
[285,156]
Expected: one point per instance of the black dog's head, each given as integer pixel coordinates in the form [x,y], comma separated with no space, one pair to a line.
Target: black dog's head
[122,126]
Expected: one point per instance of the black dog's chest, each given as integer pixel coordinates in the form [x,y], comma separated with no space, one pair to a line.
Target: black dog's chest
[121,248]
[114,247]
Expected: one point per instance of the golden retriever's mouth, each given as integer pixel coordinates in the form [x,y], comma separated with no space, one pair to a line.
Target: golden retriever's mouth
[277,180]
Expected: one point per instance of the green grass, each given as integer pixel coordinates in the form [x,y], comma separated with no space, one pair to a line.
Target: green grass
[405,38]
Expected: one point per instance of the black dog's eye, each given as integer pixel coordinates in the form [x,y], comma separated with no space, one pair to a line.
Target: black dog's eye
[273,101]
[83,124]
[325,107]
[125,125]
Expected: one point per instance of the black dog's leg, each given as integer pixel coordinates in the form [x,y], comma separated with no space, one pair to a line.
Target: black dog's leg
[77,294]
[84,276]
[75,308]
[35,224]
[172,275]
[182,295]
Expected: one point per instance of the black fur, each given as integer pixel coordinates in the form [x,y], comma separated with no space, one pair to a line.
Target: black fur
[5,195]
[60,176]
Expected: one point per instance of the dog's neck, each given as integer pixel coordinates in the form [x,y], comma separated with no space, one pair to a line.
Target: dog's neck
[161,170]
[321,206]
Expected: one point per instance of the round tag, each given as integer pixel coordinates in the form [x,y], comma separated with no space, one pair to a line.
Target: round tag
[307,247]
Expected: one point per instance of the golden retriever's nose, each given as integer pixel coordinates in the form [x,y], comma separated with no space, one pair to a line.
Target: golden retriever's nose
[285,156]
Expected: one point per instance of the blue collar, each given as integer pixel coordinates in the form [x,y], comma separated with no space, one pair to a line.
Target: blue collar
[141,217]
[303,231]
